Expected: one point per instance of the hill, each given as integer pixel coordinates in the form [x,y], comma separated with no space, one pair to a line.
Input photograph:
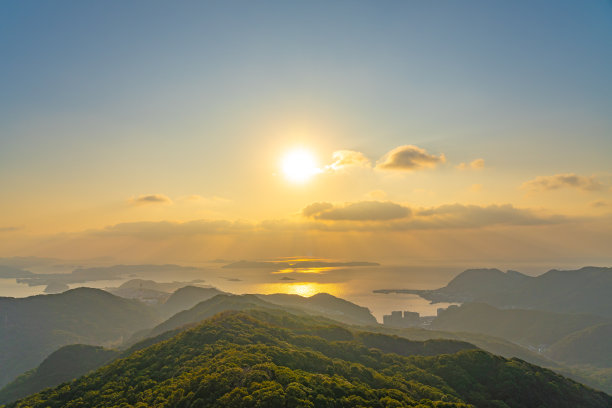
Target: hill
[275,359]
[584,291]
[33,327]
[204,310]
[592,345]
[185,298]
[65,364]
[526,327]
[326,305]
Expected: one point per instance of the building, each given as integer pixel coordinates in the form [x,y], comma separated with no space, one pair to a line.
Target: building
[402,319]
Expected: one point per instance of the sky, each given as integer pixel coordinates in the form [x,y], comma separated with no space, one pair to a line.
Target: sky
[410,132]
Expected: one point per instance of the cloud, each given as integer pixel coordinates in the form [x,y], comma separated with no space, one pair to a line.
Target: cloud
[348,158]
[377,195]
[409,157]
[358,211]
[213,200]
[165,229]
[144,199]
[557,181]
[10,229]
[601,203]
[474,164]
[474,216]
[357,216]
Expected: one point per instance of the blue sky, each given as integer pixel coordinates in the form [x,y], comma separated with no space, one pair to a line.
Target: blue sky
[101,102]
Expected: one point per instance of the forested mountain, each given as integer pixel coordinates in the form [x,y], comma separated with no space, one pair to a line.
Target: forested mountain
[65,364]
[33,327]
[526,327]
[586,290]
[326,305]
[185,298]
[275,359]
[592,345]
[204,310]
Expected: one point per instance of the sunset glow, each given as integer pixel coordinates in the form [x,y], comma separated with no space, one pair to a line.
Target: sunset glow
[299,166]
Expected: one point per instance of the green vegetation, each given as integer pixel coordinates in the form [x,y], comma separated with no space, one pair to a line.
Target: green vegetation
[65,364]
[32,328]
[326,305]
[270,358]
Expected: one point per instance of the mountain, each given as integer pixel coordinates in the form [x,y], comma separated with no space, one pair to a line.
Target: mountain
[64,364]
[186,298]
[275,359]
[326,305]
[585,290]
[10,272]
[321,304]
[592,345]
[204,310]
[526,327]
[33,327]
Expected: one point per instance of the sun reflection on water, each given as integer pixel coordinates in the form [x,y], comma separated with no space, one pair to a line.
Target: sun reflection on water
[306,289]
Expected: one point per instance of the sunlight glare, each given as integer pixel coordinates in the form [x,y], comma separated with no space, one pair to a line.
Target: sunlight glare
[299,166]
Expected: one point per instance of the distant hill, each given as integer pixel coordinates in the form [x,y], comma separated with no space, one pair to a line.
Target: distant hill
[278,265]
[592,345]
[526,327]
[206,309]
[275,359]
[186,298]
[586,290]
[10,272]
[326,305]
[65,364]
[33,327]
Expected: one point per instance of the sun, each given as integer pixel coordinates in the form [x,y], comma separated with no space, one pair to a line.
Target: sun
[299,166]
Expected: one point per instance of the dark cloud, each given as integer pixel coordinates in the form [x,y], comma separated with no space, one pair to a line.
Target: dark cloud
[359,211]
[150,199]
[557,181]
[409,157]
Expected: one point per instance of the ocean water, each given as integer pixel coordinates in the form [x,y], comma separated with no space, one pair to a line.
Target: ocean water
[354,284]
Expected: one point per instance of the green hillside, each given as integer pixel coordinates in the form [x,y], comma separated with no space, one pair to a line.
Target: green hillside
[326,305]
[65,364]
[275,359]
[32,328]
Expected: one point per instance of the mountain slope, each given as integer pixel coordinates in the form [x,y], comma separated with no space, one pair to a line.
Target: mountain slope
[526,327]
[326,305]
[33,327]
[65,364]
[186,298]
[585,290]
[592,345]
[274,360]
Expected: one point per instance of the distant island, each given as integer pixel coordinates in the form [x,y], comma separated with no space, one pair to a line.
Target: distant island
[585,290]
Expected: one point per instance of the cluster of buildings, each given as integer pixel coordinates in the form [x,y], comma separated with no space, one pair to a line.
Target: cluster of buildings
[402,319]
